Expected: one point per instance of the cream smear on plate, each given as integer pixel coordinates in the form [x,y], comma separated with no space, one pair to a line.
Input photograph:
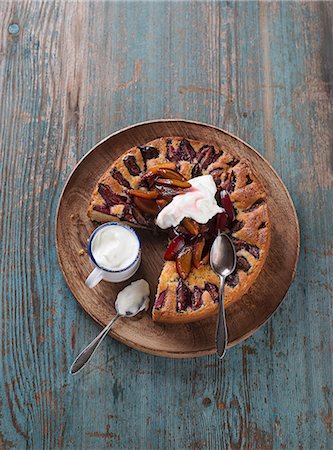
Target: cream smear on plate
[130,298]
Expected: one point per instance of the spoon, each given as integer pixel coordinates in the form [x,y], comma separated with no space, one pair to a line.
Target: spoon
[134,309]
[223,262]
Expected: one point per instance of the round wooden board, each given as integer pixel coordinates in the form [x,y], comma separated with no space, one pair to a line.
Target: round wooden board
[196,339]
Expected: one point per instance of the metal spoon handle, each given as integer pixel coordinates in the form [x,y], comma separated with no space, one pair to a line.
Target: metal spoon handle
[82,359]
[221,332]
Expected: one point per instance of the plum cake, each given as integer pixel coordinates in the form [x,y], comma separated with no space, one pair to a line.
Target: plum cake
[145,179]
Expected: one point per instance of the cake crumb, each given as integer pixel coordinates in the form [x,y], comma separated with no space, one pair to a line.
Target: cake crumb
[72,216]
[81,252]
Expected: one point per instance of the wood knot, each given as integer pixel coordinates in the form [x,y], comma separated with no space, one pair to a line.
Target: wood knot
[13,28]
[206,402]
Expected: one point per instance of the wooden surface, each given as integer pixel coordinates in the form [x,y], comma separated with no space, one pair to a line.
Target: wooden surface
[244,317]
[72,73]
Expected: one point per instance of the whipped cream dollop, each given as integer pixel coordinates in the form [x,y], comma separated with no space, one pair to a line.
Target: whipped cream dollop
[198,203]
[115,247]
[134,298]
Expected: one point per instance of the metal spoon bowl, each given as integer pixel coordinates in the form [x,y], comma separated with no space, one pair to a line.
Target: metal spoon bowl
[82,359]
[223,262]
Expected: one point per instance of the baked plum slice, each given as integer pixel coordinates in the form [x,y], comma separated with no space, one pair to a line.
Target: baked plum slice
[149,152]
[184,151]
[159,302]
[118,176]
[184,262]
[226,203]
[138,217]
[109,196]
[213,291]
[183,296]
[243,264]
[242,245]
[150,195]
[191,226]
[207,156]
[132,165]
[196,298]
[232,280]
[196,171]
[221,222]
[146,206]
[198,247]
[174,248]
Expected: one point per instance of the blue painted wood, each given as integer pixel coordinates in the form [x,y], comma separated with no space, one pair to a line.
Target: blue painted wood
[70,74]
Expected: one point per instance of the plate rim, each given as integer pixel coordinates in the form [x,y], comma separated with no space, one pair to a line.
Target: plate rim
[164,353]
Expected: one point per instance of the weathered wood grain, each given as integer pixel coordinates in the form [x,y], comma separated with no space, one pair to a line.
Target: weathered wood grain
[72,74]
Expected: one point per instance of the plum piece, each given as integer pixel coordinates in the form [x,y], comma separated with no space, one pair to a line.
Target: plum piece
[160,300]
[206,250]
[233,162]
[167,173]
[172,152]
[184,262]
[225,185]
[213,291]
[205,259]
[166,165]
[255,205]
[191,226]
[226,203]
[118,176]
[242,245]
[173,183]
[238,225]
[232,280]
[232,182]
[253,250]
[169,192]
[131,165]
[196,298]
[152,195]
[146,206]
[221,222]
[180,229]
[196,171]
[109,196]
[243,264]
[174,248]
[217,174]
[148,179]
[206,156]
[183,296]
[161,202]
[204,228]
[149,152]
[248,179]
[138,217]
[186,151]
[198,247]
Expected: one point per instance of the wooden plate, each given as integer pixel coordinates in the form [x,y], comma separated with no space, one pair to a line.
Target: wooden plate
[244,317]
